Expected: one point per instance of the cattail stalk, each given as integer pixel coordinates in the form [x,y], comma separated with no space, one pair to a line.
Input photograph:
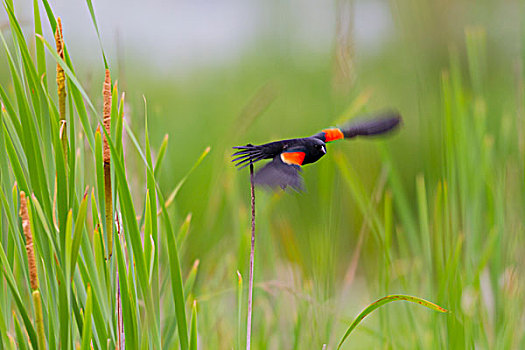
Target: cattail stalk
[106,92]
[252,258]
[61,86]
[33,271]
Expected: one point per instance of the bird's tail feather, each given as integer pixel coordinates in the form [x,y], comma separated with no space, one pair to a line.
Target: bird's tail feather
[382,123]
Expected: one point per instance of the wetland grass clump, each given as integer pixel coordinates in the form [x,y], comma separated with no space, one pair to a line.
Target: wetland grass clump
[60,241]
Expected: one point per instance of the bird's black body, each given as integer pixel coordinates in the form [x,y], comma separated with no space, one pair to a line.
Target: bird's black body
[289,155]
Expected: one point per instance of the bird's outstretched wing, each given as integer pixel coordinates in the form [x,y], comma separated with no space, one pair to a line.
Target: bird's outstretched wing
[245,155]
[248,154]
[282,171]
[379,124]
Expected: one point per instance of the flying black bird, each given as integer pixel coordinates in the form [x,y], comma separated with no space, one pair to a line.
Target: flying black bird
[289,155]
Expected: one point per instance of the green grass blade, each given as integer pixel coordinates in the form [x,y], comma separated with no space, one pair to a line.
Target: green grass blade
[239,310]
[40,53]
[176,279]
[151,213]
[423,219]
[21,339]
[363,200]
[15,163]
[183,230]
[86,331]
[94,20]
[383,301]
[193,328]
[99,171]
[18,300]
[160,156]
[173,193]
[64,284]
[190,279]
[130,327]
[77,233]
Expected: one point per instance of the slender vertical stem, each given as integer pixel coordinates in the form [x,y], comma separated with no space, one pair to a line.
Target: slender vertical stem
[252,257]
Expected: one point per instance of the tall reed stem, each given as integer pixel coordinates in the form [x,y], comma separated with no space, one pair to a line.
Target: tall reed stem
[252,258]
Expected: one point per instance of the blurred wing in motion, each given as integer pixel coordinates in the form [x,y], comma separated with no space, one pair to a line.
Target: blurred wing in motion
[378,125]
[282,171]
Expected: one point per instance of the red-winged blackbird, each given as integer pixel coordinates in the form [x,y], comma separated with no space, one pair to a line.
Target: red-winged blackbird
[289,155]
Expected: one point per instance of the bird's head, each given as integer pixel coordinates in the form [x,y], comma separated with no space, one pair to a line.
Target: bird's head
[315,149]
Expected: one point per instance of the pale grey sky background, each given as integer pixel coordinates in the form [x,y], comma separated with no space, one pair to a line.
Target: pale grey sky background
[187,34]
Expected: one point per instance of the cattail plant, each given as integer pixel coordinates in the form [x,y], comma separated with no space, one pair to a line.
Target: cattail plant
[33,271]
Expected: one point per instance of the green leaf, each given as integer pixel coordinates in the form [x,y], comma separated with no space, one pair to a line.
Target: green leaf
[40,53]
[18,300]
[160,156]
[151,214]
[239,310]
[64,285]
[94,19]
[190,279]
[176,278]
[77,233]
[21,339]
[362,198]
[130,328]
[383,301]
[183,230]
[173,194]
[149,246]
[15,163]
[87,326]
[193,328]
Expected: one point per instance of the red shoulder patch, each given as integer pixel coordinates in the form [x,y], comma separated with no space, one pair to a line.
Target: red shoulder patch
[333,134]
[295,158]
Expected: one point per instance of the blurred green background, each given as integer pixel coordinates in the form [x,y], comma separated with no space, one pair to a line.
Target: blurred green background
[438,207]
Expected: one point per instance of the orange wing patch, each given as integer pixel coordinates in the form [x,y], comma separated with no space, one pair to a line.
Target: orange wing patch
[295,158]
[333,134]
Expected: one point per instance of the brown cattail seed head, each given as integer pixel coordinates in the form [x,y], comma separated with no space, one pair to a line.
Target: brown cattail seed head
[61,77]
[58,39]
[106,92]
[33,274]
